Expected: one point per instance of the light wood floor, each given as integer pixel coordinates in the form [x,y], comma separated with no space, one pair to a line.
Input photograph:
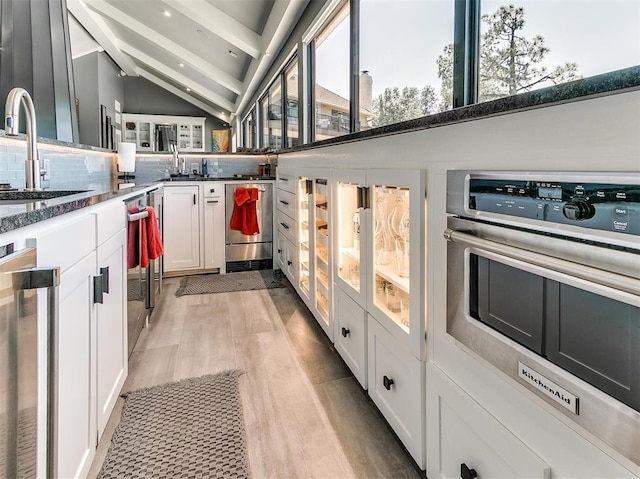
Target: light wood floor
[305,415]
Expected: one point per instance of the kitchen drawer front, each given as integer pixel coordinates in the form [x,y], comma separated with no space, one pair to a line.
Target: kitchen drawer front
[110,219]
[286,181]
[286,202]
[68,242]
[462,432]
[396,385]
[286,225]
[350,336]
[213,189]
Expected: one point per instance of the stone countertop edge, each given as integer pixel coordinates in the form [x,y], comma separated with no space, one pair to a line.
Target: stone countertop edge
[173,181]
[15,218]
[619,81]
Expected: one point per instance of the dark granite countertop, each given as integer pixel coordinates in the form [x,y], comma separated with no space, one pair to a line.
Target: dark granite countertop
[14,216]
[175,179]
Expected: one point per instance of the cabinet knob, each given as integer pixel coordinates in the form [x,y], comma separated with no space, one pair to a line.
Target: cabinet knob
[466,473]
[289,263]
[345,332]
[387,383]
[279,251]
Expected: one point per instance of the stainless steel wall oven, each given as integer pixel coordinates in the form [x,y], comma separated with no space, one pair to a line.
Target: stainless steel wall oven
[544,283]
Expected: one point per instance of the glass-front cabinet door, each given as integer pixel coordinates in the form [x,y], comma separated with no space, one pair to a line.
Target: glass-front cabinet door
[304,220]
[322,235]
[350,234]
[397,256]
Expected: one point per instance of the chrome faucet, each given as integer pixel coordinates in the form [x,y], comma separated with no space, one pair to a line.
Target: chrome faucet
[12,124]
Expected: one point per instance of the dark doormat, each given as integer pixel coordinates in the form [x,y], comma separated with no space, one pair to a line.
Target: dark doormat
[226,283]
[191,428]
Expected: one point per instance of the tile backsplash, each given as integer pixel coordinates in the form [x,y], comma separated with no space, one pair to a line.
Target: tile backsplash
[76,168]
[67,167]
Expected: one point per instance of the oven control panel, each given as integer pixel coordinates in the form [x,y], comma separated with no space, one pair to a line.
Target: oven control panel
[601,206]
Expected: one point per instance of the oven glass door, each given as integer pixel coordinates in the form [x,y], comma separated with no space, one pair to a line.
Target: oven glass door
[585,329]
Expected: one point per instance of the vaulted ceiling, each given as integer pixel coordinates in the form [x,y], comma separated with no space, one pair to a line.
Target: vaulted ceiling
[211,53]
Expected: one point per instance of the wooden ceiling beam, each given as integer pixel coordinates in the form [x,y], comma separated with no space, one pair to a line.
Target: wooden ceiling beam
[185,56]
[157,65]
[98,29]
[184,95]
[220,24]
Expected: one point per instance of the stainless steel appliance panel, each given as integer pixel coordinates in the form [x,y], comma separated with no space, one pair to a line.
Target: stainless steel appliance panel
[248,251]
[155,199]
[264,210]
[137,284]
[584,345]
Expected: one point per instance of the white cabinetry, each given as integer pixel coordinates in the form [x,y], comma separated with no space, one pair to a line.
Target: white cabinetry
[92,346]
[351,334]
[71,245]
[181,227]
[111,324]
[140,129]
[286,225]
[463,434]
[214,225]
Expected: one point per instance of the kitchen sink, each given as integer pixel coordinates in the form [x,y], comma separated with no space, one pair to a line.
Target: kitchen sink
[21,197]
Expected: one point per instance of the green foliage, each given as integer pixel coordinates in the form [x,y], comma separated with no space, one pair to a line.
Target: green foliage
[395,105]
[509,62]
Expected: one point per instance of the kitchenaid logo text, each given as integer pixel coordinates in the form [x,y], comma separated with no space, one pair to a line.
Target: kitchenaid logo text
[549,388]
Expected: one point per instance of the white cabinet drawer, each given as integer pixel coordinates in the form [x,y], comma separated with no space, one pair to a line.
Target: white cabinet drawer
[462,432]
[286,225]
[396,385]
[213,189]
[351,334]
[68,242]
[286,181]
[110,219]
[286,202]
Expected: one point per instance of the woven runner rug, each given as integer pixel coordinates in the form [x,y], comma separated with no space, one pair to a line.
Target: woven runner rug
[191,428]
[226,283]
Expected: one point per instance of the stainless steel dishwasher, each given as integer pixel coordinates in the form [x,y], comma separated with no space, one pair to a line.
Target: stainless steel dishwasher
[247,252]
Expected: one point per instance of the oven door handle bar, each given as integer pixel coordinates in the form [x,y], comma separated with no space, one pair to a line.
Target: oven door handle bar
[601,277]
[131,217]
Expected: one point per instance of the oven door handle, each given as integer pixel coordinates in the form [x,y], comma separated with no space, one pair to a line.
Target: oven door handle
[607,279]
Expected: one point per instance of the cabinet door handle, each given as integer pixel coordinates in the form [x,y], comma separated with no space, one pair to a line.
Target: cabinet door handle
[286,203]
[279,251]
[284,225]
[345,333]
[289,263]
[194,198]
[212,201]
[104,272]
[466,473]
[387,383]
[98,294]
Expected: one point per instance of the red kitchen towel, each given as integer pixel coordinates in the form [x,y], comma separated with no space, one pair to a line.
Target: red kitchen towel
[245,216]
[133,240]
[154,241]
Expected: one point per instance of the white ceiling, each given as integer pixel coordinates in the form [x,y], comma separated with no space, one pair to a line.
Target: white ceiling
[188,52]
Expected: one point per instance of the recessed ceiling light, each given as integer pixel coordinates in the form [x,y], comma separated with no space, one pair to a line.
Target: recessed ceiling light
[166,13]
[188,89]
[233,54]
[181,65]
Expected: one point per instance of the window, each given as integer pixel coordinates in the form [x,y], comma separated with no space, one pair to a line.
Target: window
[249,130]
[331,66]
[291,118]
[264,121]
[529,44]
[275,114]
[402,66]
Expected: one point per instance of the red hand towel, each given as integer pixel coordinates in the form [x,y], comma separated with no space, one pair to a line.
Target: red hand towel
[245,217]
[133,243]
[154,241]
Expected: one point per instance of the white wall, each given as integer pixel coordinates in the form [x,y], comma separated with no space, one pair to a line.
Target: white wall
[599,134]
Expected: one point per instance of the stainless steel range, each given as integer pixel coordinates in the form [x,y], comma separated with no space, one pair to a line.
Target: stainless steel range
[544,284]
